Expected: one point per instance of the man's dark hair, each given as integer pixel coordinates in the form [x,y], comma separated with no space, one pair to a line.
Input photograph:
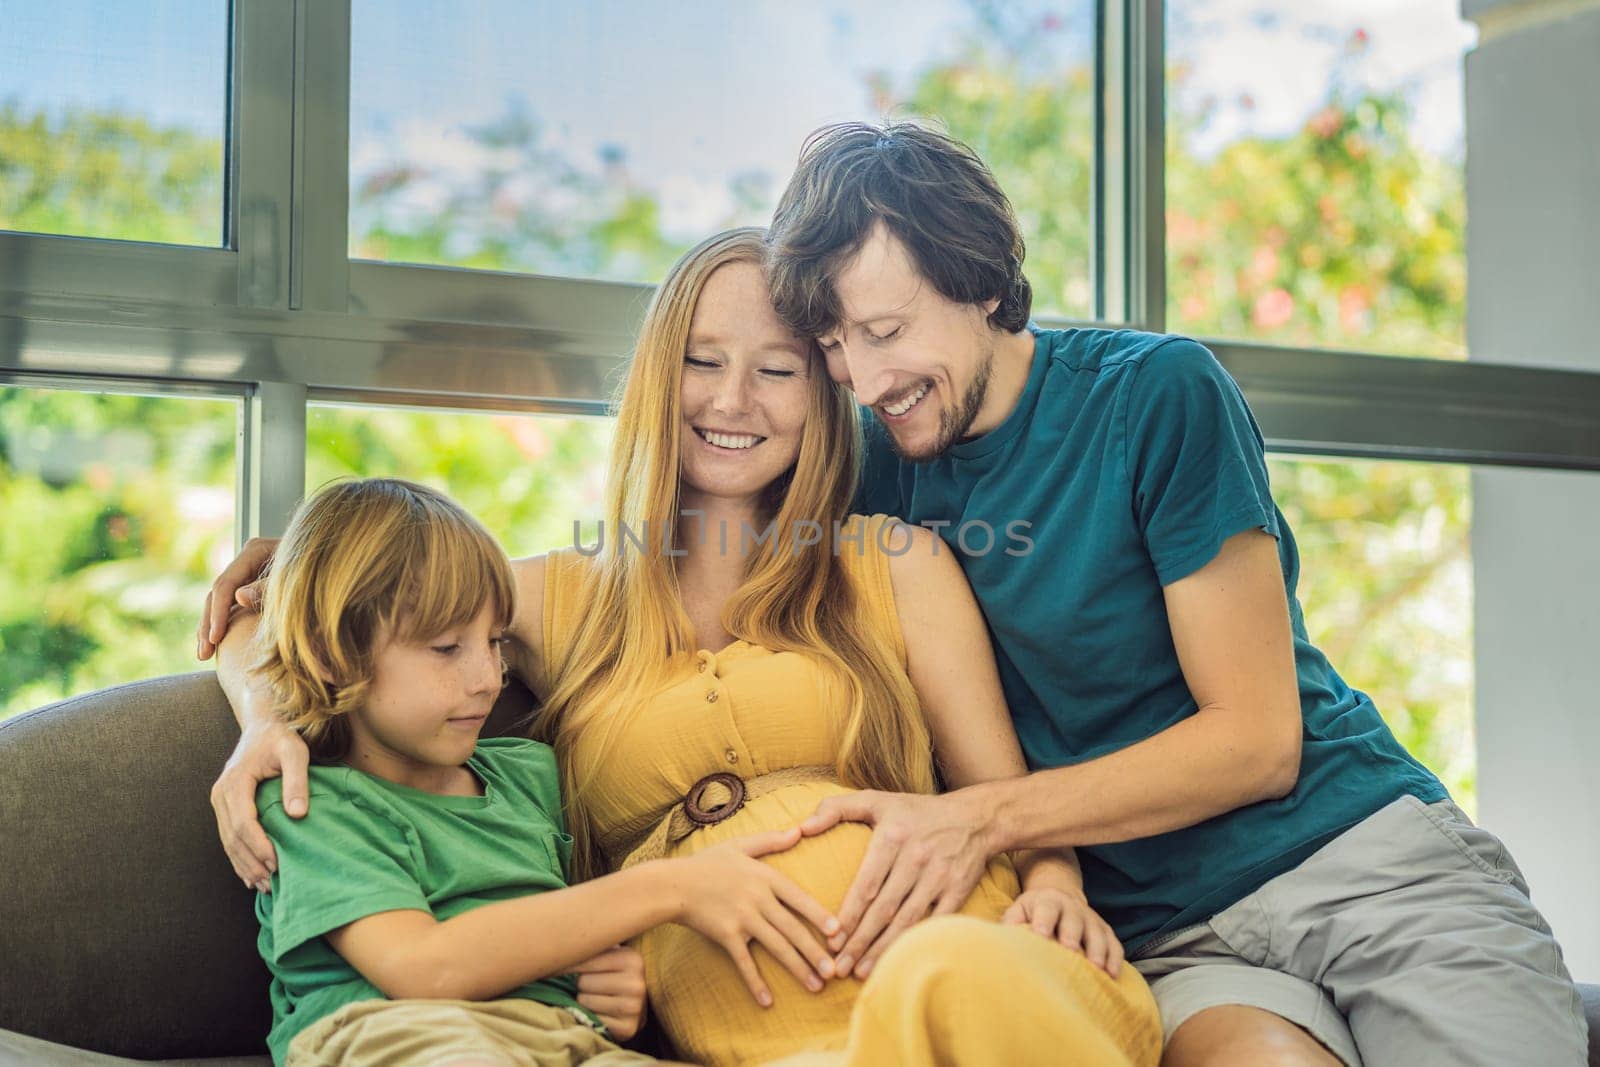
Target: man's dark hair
[933,193]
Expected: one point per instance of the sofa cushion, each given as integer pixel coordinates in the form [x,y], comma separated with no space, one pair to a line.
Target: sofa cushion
[19,1050]
[122,927]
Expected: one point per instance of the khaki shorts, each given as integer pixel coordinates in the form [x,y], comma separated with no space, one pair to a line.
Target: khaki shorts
[1408,939]
[396,1033]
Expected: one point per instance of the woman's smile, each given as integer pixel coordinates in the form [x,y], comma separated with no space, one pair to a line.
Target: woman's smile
[727,441]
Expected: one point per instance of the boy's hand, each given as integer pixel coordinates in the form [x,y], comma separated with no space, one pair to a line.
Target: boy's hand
[1069,919]
[612,986]
[733,898]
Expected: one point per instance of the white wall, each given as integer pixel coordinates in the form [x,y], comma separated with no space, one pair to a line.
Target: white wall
[1533,226]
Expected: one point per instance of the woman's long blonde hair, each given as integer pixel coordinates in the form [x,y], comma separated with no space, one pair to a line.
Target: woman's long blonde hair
[799,600]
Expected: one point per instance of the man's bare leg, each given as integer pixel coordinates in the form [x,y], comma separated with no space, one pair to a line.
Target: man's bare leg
[1237,1036]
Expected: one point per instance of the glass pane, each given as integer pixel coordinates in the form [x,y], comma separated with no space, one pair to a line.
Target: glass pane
[644,127]
[1315,173]
[1386,585]
[112,118]
[119,510]
[526,477]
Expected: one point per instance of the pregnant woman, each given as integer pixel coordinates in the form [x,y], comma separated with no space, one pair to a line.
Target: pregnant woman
[738,647]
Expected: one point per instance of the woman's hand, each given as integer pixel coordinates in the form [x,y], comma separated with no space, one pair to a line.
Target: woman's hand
[265,751]
[1068,918]
[611,985]
[733,898]
[239,581]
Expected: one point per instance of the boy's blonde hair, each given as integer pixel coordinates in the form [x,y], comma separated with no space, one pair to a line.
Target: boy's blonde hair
[363,561]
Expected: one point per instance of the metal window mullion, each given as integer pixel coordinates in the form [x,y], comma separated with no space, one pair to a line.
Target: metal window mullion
[1130,198]
[461,403]
[1147,136]
[1305,399]
[320,258]
[260,149]
[272,458]
[1309,401]
[159,387]
[1109,195]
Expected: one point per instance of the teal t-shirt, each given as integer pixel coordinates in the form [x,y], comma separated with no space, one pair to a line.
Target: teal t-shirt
[368,845]
[1132,457]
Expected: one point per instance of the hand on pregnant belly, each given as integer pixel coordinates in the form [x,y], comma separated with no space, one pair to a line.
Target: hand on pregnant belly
[727,894]
[926,856]
[696,988]
[1066,916]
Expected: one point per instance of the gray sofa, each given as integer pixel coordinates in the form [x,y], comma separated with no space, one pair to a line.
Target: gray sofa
[122,927]
[123,932]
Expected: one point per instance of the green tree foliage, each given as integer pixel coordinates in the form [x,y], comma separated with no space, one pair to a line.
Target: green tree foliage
[1343,233]
[1033,123]
[1386,583]
[117,512]
[88,173]
[527,477]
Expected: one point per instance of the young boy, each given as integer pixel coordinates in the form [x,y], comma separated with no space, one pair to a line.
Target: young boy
[419,912]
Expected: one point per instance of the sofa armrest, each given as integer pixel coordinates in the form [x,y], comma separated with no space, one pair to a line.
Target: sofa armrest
[124,929]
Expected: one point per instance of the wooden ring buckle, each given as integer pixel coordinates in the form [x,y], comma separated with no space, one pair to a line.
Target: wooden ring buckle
[701,816]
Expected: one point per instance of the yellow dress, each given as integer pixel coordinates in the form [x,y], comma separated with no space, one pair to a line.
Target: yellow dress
[751,711]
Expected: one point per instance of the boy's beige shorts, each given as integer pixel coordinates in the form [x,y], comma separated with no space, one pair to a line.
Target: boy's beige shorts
[397,1033]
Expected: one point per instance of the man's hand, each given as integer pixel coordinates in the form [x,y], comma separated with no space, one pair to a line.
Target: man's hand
[1068,918]
[263,752]
[926,856]
[239,582]
[612,986]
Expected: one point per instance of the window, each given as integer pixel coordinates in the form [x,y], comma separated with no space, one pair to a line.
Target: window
[526,477]
[642,129]
[119,510]
[1315,183]
[1386,585]
[112,118]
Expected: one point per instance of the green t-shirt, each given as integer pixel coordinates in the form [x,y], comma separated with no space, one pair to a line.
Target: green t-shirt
[368,845]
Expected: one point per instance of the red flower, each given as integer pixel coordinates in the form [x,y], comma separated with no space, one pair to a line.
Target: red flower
[1263,265]
[1354,303]
[528,436]
[1274,308]
[1326,122]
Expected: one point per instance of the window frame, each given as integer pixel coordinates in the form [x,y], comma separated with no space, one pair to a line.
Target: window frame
[281,315]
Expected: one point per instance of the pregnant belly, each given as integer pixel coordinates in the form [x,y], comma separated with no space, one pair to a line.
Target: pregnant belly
[696,990]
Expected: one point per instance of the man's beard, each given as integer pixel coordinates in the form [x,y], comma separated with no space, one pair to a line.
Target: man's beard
[953,425]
